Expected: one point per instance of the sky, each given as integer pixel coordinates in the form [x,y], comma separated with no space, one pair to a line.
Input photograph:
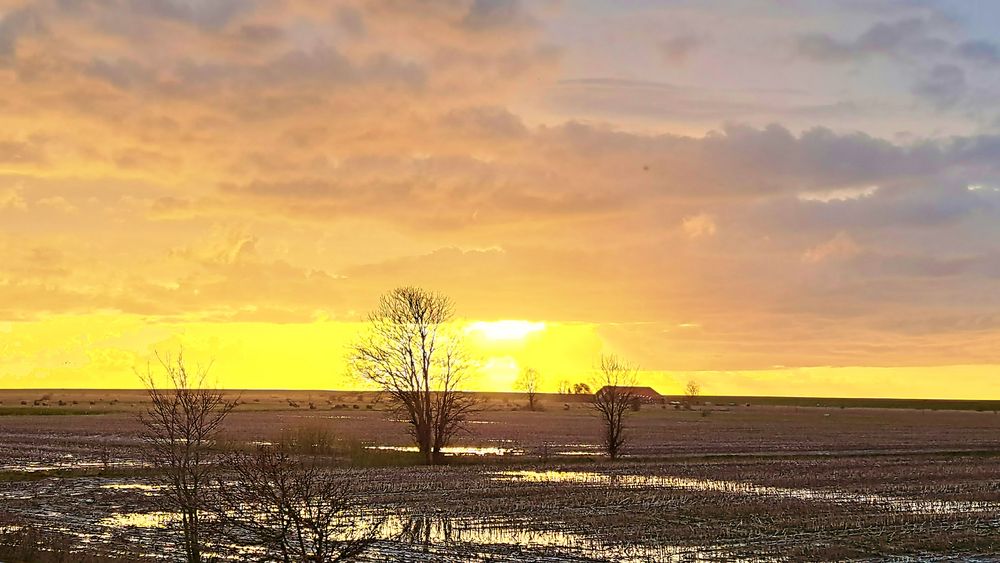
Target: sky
[769,197]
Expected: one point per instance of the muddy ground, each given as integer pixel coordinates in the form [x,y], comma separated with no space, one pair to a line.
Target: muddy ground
[758,483]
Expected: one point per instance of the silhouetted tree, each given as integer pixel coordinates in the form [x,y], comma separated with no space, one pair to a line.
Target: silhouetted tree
[293,509]
[581,389]
[613,399]
[691,393]
[529,381]
[412,356]
[181,427]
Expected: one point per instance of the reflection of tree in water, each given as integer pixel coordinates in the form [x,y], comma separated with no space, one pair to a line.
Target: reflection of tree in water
[426,530]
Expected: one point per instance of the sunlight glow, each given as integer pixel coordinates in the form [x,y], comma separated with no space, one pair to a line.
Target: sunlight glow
[505,330]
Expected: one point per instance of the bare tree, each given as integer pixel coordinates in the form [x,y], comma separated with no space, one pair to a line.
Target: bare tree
[293,509]
[529,381]
[181,427]
[411,355]
[616,393]
[691,393]
[565,388]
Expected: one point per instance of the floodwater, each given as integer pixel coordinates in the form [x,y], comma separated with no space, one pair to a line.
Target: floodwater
[892,503]
[110,511]
[439,538]
[139,520]
[504,450]
[457,450]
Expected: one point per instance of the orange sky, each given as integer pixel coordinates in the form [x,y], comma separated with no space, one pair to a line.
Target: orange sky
[779,200]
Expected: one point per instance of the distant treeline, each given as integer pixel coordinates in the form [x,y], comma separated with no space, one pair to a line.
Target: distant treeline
[871,403]
[280,395]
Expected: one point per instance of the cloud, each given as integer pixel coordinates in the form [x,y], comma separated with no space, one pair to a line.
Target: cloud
[699,226]
[283,162]
[11,198]
[15,24]
[979,51]
[943,86]
[485,122]
[840,247]
[678,48]
[57,202]
[496,14]
[206,14]
[907,37]
[352,20]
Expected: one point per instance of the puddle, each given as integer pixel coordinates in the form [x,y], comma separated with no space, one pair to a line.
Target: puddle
[478,539]
[897,504]
[505,536]
[33,467]
[133,486]
[456,450]
[139,520]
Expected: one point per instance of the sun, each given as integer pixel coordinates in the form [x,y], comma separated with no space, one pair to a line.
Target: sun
[505,330]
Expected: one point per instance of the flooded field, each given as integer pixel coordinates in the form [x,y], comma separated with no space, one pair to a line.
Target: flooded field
[748,484]
[633,512]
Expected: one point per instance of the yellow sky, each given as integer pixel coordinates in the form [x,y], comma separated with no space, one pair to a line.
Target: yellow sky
[108,351]
[244,179]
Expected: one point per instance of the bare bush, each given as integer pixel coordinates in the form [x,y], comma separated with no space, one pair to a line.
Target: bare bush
[413,358]
[292,509]
[613,400]
[312,439]
[181,427]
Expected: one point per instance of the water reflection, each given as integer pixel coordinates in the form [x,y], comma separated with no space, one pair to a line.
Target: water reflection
[144,487]
[473,539]
[139,520]
[893,503]
[456,450]
[486,538]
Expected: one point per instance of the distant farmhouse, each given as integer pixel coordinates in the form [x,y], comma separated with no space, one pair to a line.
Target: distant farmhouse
[646,395]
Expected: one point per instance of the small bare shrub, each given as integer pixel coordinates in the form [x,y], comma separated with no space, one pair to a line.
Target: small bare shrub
[293,510]
[310,439]
[182,425]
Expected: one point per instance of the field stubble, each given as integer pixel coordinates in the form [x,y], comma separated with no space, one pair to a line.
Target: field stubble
[758,483]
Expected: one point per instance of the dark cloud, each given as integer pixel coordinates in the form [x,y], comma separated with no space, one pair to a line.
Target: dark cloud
[261,34]
[979,51]
[915,205]
[496,15]
[485,122]
[943,86]
[908,37]
[16,24]
[351,20]
[206,14]
[615,98]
